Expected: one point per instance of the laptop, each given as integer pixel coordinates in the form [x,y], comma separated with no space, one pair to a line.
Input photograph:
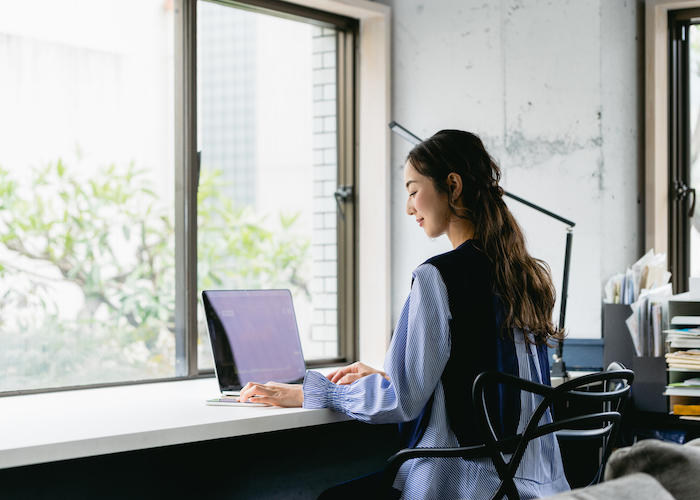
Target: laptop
[254,337]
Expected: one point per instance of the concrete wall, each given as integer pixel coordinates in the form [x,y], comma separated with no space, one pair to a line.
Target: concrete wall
[555,91]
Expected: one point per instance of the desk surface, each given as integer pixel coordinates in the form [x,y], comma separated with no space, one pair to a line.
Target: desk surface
[49,427]
[56,426]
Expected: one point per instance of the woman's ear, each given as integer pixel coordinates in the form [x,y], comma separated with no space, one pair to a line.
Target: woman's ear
[454,182]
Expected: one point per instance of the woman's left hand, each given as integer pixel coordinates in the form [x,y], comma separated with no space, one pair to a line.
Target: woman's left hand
[273,393]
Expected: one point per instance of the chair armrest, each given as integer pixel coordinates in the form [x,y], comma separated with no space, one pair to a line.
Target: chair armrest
[398,459]
[583,435]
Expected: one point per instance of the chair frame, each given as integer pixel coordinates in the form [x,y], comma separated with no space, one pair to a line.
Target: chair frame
[603,424]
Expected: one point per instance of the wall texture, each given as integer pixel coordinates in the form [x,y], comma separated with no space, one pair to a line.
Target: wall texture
[555,91]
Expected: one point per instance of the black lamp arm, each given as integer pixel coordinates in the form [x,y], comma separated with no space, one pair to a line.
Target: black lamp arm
[558,367]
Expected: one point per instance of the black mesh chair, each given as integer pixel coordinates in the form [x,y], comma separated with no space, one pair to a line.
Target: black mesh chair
[507,452]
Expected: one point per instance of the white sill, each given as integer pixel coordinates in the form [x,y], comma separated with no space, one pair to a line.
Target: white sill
[41,428]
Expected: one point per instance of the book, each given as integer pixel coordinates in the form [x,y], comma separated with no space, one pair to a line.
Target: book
[682,391]
[686,409]
[684,359]
[685,343]
[691,382]
[687,366]
[689,353]
[685,320]
[691,333]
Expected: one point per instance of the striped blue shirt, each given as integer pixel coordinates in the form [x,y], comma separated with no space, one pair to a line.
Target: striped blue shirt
[419,351]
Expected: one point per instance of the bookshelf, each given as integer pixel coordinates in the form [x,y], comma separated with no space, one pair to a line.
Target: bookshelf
[683,357]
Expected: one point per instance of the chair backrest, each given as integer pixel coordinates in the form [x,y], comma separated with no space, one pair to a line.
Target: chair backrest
[507,452]
[581,470]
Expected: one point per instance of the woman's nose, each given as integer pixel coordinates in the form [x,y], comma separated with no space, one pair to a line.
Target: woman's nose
[409,207]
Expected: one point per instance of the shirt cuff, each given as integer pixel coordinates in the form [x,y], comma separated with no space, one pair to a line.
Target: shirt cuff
[319,392]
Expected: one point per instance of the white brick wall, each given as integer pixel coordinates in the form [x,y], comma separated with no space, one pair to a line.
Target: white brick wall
[324,332]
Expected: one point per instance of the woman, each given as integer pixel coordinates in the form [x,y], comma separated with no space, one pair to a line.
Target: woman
[485,305]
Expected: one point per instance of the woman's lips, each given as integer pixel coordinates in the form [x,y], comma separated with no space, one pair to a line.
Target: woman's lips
[420,222]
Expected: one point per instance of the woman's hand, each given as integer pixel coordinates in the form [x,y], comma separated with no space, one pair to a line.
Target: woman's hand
[355,371]
[273,393]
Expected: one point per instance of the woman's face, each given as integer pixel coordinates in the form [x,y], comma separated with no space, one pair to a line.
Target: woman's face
[425,203]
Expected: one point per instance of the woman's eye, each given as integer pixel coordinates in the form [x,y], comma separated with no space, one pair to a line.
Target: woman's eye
[413,193]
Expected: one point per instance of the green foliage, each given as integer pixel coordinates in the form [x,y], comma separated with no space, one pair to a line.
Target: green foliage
[237,250]
[107,241]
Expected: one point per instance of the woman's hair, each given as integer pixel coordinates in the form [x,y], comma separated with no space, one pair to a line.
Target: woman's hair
[523,283]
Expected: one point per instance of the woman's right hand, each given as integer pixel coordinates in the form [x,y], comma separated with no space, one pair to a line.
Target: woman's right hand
[350,373]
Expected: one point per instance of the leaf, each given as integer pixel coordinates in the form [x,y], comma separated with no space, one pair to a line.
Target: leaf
[60,168]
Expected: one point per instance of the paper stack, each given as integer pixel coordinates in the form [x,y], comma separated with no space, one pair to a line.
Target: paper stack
[689,359]
[683,360]
[683,338]
[690,387]
[646,289]
[647,273]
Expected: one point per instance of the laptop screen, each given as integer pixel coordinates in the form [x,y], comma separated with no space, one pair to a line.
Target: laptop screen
[254,337]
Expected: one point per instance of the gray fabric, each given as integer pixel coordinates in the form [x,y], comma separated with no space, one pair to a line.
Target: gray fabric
[637,486]
[675,466]
[694,442]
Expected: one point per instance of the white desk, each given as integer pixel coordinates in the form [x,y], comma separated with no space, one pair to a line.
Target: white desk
[41,428]
[56,426]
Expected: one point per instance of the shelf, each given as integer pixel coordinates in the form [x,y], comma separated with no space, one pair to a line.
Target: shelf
[686,392]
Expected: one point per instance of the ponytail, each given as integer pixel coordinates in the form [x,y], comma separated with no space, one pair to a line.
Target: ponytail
[523,283]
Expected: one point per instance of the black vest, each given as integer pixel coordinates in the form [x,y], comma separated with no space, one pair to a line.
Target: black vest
[477,346]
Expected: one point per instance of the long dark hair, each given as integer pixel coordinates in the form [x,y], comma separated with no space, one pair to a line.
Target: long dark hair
[523,283]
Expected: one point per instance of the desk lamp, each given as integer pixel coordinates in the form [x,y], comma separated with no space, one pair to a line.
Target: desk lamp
[558,368]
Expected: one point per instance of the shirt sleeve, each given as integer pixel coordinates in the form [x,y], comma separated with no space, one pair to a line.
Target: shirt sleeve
[416,359]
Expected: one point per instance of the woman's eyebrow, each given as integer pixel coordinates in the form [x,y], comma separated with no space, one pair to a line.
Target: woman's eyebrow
[409,182]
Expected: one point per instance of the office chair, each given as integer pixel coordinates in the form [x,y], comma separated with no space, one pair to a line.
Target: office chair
[507,452]
[579,476]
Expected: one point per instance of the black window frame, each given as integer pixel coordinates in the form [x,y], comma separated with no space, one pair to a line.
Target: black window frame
[347,30]
[680,196]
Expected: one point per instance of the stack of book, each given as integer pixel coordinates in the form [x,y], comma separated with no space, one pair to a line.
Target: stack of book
[689,359]
[683,357]
[683,338]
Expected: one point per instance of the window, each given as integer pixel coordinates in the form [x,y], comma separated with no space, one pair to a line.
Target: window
[87,272]
[669,115]
[98,254]
[275,187]
[684,145]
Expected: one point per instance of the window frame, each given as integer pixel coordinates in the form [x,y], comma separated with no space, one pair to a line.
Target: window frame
[363,149]
[679,144]
[661,150]
[346,34]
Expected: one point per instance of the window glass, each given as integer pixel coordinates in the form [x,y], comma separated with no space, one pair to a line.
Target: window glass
[86,192]
[267,216]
